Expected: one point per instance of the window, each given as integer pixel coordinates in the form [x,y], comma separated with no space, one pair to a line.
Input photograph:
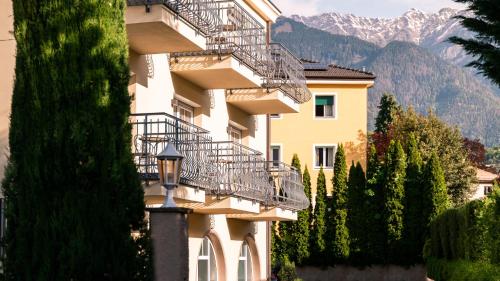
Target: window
[324,106]
[245,264]
[276,155]
[183,111]
[235,134]
[324,156]
[207,266]
[488,189]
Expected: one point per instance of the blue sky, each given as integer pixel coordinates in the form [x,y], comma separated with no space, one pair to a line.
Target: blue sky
[367,8]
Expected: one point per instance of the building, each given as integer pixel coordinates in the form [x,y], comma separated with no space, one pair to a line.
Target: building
[483,185]
[336,114]
[205,77]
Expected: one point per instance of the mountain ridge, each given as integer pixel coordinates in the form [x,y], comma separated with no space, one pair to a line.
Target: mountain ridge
[418,77]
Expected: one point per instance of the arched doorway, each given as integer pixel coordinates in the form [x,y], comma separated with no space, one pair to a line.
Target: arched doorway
[248,261]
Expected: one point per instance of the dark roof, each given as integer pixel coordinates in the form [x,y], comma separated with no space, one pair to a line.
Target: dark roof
[315,70]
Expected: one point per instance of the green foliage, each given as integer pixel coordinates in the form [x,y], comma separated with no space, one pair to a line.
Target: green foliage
[491,220]
[298,236]
[393,192]
[337,233]
[73,196]
[375,238]
[434,136]
[388,108]
[287,271]
[435,198]
[278,246]
[415,228]
[465,232]
[358,203]
[484,24]
[306,179]
[493,157]
[317,238]
[415,76]
[461,270]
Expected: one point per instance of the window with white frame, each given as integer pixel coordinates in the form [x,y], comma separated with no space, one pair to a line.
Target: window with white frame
[235,134]
[324,106]
[183,111]
[275,155]
[207,265]
[324,155]
[245,271]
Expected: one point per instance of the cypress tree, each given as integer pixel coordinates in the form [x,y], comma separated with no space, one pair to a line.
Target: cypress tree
[435,198]
[357,204]
[73,195]
[414,227]
[299,235]
[393,191]
[388,108]
[337,233]
[374,231]
[306,179]
[318,229]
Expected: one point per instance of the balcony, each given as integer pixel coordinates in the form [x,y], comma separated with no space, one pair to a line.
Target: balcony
[163,26]
[216,177]
[262,101]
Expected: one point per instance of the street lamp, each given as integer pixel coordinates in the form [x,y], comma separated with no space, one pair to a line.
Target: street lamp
[169,169]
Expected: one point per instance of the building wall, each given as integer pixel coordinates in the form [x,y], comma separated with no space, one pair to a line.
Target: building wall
[153,91]
[299,132]
[7,58]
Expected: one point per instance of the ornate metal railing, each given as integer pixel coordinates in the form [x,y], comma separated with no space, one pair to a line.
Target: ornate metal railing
[152,132]
[202,14]
[288,189]
[221,168]
[288,74]
[242,171]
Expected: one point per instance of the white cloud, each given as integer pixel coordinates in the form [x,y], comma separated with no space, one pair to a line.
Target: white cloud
[299,7]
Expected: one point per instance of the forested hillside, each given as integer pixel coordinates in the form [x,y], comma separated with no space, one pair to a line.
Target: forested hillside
[416,76]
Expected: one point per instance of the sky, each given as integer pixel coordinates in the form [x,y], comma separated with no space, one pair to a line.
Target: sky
[366,8]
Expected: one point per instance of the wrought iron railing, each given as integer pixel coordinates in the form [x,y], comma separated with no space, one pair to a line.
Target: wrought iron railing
[221,168]
[288,74]
[288,189]
[242,171]
[202,14]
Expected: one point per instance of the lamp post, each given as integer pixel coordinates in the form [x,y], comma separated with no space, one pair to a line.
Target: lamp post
[169,169]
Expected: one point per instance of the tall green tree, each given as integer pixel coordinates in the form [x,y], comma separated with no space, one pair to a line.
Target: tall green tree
[388,108]
[337,232]
[484,24]
[317,237]
[374,250]
[73,195]
[435,198]
[358,200]
[299,235]
[414,228]
[394,192]
[306,179]
[435,136]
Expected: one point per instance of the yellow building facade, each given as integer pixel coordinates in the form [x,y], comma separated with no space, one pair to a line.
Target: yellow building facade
[336,114]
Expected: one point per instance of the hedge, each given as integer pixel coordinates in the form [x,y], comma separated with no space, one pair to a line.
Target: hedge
[462,270]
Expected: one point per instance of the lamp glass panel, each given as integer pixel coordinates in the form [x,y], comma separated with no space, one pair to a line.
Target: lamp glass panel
[161,171]
[171,172]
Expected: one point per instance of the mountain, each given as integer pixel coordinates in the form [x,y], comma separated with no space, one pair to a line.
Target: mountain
[428,30]
[417,77]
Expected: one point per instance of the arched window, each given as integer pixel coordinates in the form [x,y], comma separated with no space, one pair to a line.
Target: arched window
[207,265]
[245,264]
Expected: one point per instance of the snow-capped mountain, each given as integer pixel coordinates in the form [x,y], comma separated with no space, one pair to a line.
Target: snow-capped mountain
[429,30]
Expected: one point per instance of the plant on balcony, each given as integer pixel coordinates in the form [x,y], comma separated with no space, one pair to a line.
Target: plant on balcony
[337,233]
[394,174]
[72,192]
[317,237]
[358,200]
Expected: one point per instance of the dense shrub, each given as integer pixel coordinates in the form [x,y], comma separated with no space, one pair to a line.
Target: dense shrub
[287,271]
[462,270]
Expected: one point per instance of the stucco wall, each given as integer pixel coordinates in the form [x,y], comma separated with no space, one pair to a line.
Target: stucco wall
[7,59]
[299,132]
